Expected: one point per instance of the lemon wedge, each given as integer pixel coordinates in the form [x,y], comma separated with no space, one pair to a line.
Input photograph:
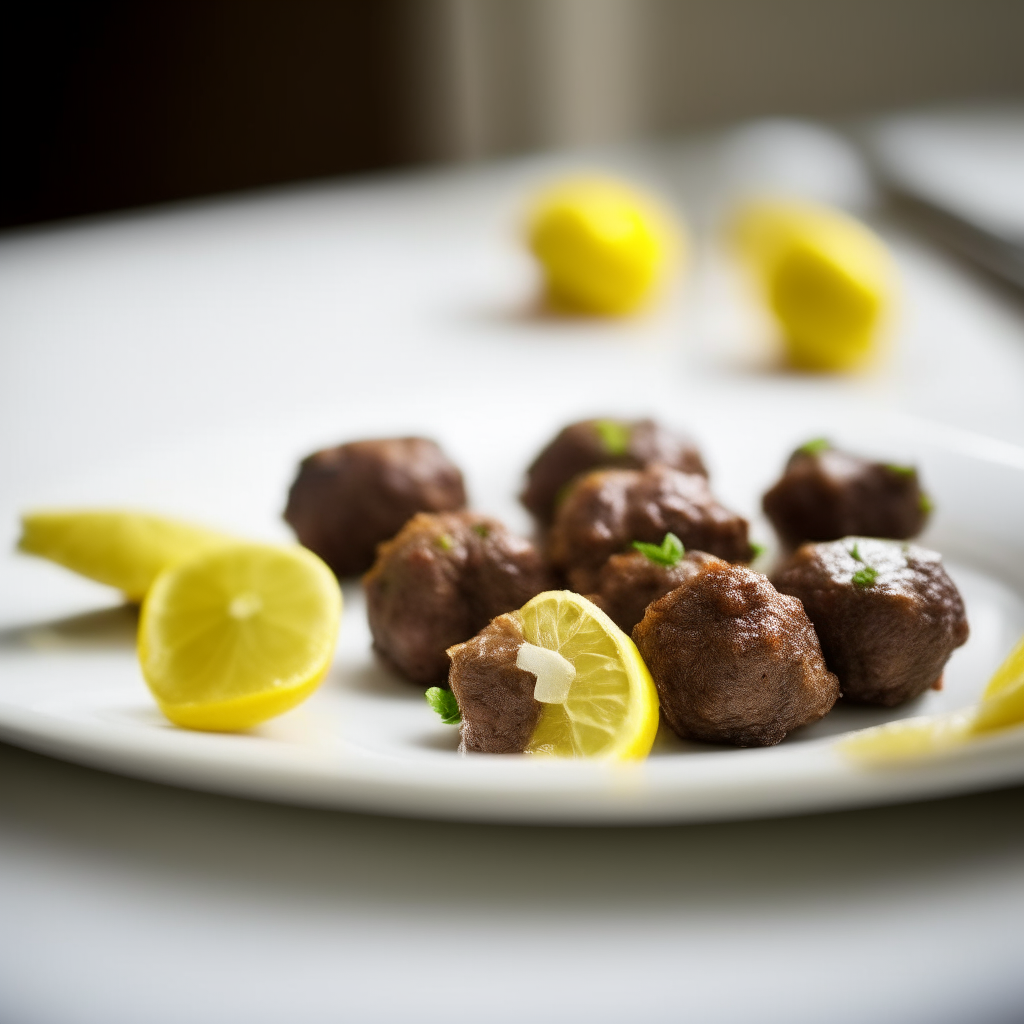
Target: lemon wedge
[237,635]
[125,550]
[910,738]
[599,699]
[1002,704]
[603,246]
[1001,707]
[827,279]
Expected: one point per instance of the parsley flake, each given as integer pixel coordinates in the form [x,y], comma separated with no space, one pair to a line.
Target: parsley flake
[855,553]
[445,704]
[758,549]
[614,436]
[865,577]
[901,470]
[482,529]
[563,492]
[444,542]
[925,504]
[815,446]
[667,553]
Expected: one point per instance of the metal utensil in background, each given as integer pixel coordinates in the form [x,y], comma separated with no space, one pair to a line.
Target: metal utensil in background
[960,174]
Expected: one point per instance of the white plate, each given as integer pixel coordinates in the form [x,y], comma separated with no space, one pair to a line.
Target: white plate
[70,685]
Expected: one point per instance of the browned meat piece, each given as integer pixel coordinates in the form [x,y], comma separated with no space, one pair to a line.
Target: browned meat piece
[596,444]
[629,582]
[439,581]
[609,509]
[346,500]
[826,494]
[495,697]
[887,614]
[734,660]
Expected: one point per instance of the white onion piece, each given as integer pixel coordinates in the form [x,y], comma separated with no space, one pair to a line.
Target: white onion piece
[554,673]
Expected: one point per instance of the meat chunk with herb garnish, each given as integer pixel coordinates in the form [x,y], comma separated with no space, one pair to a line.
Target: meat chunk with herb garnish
[439,581]
[629,582]
[887,614]
[346,500]
[495,696]
[600,443]
[734,660]
[826,494]
[609,509]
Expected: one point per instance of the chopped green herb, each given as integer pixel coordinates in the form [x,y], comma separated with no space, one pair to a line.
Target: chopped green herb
[444,542]
[815,446]
[901,470]
[758,549]
[445,704]
[926,504]
[563,492]
[668,552]
[865,577]
[482,529]
[614,436]
[855,553]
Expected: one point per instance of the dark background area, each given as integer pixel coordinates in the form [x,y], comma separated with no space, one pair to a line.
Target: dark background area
[109,104]
[118,104]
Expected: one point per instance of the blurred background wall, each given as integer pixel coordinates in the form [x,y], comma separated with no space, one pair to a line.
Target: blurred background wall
[114,104]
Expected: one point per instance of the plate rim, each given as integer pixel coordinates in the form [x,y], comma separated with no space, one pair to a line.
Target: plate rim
[536,792]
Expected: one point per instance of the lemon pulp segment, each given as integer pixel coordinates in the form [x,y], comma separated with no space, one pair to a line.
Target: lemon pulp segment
[611,710]
[603,246]
[125,550]
[827,279]
[235,636]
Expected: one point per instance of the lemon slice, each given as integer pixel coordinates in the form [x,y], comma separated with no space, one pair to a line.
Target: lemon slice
[603,246]
[604,703]
[238,635]
[122,549]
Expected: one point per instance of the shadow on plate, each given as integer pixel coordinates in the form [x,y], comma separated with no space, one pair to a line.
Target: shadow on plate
[536,312]
[846,717]
[446,741]
[106,629]
[374,677]
[667,743]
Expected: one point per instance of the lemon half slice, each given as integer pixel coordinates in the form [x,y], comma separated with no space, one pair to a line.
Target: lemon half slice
[238,635]
[611,706]
[122,549]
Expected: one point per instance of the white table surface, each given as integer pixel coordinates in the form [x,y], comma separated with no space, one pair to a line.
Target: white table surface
[130,337]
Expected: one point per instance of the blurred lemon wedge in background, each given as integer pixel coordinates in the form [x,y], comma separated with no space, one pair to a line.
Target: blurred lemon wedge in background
[125,550]
[611,708]
[238,635]
[1001,707]
[603,246]
[828,279]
